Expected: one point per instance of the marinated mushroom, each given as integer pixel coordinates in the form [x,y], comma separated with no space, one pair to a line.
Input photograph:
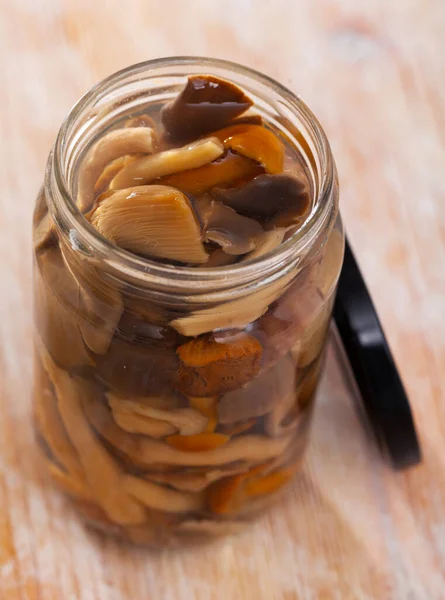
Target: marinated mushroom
[103,475]
[229,169]
[138,369]
[159,497]
[192,481]
[56,307]
[261,395]
[148,168]
[153,220]
[70,484]
[208,367]
[145,453]
[205,104]
[201,442]
[255,142]
[266,242]
[109,173]
[222,225]
[111,146]
[185,421]
[219,258]
[235,313]
[50,425]
[274,200]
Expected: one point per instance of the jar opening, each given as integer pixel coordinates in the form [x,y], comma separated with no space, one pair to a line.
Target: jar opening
[162,78]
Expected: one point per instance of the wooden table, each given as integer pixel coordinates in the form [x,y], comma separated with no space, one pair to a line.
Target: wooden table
[374,73]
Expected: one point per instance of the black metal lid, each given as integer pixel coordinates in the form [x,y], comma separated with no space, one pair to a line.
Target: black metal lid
[375,372]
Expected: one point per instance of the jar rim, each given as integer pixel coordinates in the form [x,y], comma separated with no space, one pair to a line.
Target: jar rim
[69,218]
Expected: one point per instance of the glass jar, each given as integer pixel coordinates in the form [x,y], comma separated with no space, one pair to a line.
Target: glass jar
[172,402]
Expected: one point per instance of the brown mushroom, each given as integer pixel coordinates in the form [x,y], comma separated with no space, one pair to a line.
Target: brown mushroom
[101,186]
[255,142]
[72,485]
[192,481]
[274,200]
[146,453]
[56,310]
[151,220]
[103,475]
[261,395]
[227,170]
[266,242]
[158,497]
[235,313]
[219,258]
[146,169]
[205,104]
[50,425]
[186,421]
[222,225]
[111,146]
[208,367]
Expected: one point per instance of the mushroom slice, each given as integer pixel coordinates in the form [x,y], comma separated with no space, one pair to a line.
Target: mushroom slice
[70,484]
[208,367]
[255,142]
[205,104]
[222,225]
[147,453]
[110,172]
[202,442]
[159,497]
[57,310]
[227,170]
[102,474]
[50,425]
[206,406]
[261,395]
[194,481]
[151,220]
[219,258]
[275,200]
[186,421]
[266,242]
[147,168]
[234,314]
[111,146]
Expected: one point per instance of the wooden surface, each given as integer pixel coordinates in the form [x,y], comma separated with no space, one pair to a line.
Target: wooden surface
[374,72]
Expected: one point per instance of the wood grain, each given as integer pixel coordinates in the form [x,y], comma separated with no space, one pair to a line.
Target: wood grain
[350,528]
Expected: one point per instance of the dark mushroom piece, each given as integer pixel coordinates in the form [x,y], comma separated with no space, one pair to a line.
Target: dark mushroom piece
[274,200]
[205,104]
[221,224]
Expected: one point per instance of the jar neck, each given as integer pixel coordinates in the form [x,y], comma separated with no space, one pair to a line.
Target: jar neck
[129,91]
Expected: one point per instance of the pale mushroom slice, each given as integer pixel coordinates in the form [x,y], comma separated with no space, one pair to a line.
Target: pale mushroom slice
[103,475]
[148,168]
[50,425]
[266,242]
[236,313]
[100,306]
[195,482]
[69,483]
[186,421]
[159,497]
[111,146]
[145,453]
[222,225]
[152,220]
[57,310]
